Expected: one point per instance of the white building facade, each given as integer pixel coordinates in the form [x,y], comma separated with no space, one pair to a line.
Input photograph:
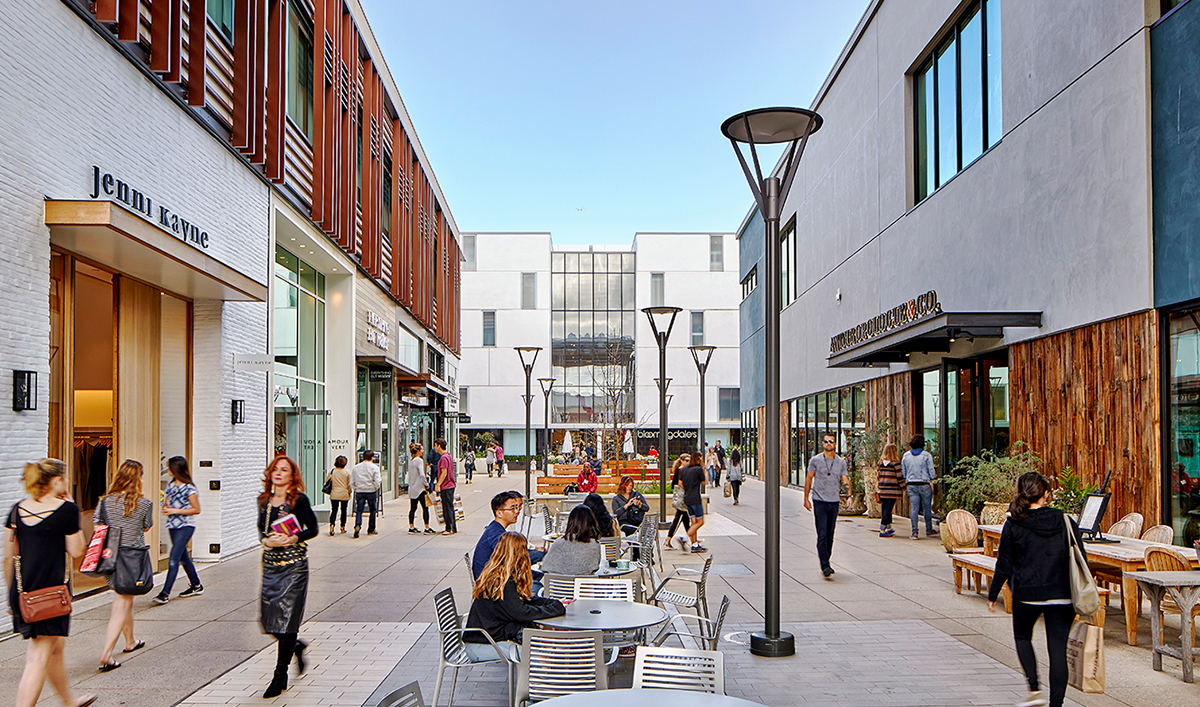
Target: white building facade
[582,305]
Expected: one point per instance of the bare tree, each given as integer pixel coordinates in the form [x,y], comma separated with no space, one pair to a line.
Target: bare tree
[613,375]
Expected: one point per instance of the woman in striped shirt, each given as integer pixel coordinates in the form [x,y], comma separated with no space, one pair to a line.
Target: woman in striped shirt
[891,488]
[128,512]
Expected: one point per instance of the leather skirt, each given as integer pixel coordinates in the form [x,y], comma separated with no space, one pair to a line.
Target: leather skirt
[284,590]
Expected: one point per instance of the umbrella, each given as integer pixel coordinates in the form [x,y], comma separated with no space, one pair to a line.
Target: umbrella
[566,445]
[628,443]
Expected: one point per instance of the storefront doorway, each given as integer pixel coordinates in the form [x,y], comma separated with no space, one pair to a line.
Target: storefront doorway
[975,418]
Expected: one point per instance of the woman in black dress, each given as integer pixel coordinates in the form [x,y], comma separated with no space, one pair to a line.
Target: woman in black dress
[42,529]
[284,564]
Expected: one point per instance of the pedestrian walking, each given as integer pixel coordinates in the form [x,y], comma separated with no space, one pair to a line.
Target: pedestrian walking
[681,515]
[692,478]
[919,476]
[418,489]
[41,531]
[339,495]
[1034,559]
[735,474]
[469,464]
[124,510]
[181,505]
[365,481]
[503,601]
[629,506]
[285,523]
[714,467]
[890,488]
[720,451]
[491,458]
[826,475]
[499,460]
[446,484]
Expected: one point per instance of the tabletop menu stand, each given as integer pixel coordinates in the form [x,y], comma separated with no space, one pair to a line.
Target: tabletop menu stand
[1092,515]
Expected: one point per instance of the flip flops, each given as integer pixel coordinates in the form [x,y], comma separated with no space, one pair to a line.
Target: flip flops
[106,667]
[137,646]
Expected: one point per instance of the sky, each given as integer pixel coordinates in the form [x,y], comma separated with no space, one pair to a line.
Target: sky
[596,119]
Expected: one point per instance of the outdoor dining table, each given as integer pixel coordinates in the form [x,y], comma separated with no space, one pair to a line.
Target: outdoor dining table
[606,615]
[638,697]
[1184,589]
[1127,555]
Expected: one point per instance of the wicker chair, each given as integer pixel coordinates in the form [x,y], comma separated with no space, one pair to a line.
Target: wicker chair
[556,663]
[1159,534]
[1165,559]
[1138,523]
[679,669]
[708,631]
[697,602]
[960,533]
[1124,528]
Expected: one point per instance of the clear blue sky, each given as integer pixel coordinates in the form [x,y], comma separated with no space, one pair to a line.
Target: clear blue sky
[530,110]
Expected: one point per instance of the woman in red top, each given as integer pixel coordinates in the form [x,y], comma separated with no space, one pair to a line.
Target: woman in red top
[587,482]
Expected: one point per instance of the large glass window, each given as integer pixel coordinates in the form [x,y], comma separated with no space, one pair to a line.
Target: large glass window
[841,412]
[787,265]
[299,89]
[957,97]
[1183,435]
[221,12]
[729,403]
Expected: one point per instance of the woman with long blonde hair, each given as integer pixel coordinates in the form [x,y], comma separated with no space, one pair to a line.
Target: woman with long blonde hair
[890,488]
[41,531]
[127,511]
[284,563]
[504,602]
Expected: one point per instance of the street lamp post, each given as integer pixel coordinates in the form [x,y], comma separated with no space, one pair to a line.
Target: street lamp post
[547,385]
[661,334]
[702,355]
[531,352]
[771,126]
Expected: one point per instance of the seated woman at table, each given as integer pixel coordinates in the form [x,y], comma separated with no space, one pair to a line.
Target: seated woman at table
[604,521]
[504,602]
[576,552]
[629,506]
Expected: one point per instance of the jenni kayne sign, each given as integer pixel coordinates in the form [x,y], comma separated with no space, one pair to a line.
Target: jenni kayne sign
[922,307]
[105,185]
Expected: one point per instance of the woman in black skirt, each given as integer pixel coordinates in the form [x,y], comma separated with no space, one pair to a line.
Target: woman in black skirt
[42,530]
[285,563]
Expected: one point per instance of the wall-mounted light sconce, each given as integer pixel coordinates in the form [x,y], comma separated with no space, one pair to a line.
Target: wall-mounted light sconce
[237,411]
[24,390]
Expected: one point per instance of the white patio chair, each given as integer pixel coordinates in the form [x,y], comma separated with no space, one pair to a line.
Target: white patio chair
[470,570]
[611,547]
[556,663]
[679,669]
[707,633]
[558,586]
[697,602]
[454,653]
[597,588]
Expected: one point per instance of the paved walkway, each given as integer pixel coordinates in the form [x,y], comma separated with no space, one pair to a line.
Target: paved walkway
[887,629]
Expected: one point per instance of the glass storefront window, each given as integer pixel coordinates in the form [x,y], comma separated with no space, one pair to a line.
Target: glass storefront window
[1183,428]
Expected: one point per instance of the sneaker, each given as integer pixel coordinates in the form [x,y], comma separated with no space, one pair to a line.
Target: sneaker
[1035,700]
[914,536]
[343,530]
[667,544]
[699,549]
[430,531]
[192,591]
[414,531]
[160,600]
[372,532]
[887,533]
[684,543]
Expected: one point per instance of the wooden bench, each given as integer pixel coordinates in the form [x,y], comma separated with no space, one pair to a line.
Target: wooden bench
[980,566]
[556,484]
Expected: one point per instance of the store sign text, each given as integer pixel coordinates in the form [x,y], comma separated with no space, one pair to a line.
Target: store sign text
[926,305]
[378,330]
[137,200]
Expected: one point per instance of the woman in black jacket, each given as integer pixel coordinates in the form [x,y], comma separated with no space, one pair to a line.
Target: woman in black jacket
[504,603]
[1033,558]
[608,526]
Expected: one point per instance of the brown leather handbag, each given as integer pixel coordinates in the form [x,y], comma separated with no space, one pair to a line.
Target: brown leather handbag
[45,603]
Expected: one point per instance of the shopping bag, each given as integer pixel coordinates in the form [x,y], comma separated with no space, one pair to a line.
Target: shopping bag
[1084,595]
[1085,657]
[728,489]
[101,556]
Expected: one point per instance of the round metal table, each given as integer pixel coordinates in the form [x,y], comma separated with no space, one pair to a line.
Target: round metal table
[605,571]
[606,615]
[648,698]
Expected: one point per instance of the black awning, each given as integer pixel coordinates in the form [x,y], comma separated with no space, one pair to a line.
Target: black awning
[932,335]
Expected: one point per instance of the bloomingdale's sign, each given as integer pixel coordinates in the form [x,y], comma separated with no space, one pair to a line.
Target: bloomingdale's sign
[137,200]
[922,307]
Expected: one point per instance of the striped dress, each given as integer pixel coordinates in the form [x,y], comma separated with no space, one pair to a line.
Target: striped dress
[132,526]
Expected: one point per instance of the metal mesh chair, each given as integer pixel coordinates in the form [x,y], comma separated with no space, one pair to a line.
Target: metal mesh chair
[549,518]
[596,588]
[558,586]
[407,696]
[470,570]
[560,521]
[454,653]
[708,631]
[698,602]
[679,669]
[556,663]
[612,548]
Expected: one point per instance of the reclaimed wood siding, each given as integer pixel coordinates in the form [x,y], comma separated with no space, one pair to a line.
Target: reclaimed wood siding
[1089,399]
[892,398]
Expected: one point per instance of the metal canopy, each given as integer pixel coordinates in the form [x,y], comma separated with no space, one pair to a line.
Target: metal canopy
[931,335]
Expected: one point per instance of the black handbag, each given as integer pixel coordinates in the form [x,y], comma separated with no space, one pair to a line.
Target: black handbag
[328,487]
[134,575]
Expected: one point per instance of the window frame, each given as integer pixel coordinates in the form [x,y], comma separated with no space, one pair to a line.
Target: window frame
[489,315]
[657,298]
[750,282]
[716,253]
[304,27]
[229,6]
[696,315]
[529,287]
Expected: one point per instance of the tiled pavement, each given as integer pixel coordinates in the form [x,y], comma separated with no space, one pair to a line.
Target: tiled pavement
[887,629]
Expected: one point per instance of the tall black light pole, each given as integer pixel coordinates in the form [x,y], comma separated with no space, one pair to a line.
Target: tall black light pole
[531,352]
[661,334]
[547,385]
[702,355]
[771,126]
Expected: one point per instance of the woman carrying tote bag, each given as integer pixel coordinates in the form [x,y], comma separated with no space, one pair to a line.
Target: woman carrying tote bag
[1035,559]
[124,510]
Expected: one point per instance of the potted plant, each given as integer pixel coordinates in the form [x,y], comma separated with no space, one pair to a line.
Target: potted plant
[1071,492]
[985,484]
[866,447]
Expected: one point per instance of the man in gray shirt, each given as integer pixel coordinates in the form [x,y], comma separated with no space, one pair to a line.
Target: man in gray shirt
[824,480]
[919,474]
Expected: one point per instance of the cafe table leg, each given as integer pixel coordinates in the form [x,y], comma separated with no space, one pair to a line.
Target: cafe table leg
[1156,619]
[1185,598]
[1129,597]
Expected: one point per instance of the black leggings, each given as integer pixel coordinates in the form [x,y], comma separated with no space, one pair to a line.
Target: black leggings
[737,489]
[412,509]
[333,511]
[687,523]
[1058,620]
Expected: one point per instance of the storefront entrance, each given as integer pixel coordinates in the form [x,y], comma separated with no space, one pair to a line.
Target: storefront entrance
[976,420]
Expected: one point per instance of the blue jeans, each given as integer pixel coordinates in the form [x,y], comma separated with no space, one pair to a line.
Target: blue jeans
[179,555]
[920,498]
[367,499]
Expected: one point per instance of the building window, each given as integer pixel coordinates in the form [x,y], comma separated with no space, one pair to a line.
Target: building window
[464,404]
[221,11]
[408,349]
[716,253]
[657,290]
[787,265]
[729,403]
[468,252]
[436,361]
[299,88]
[697,328]
[528,290]
[386,214]
[957,97]
[359,159]
[750,282]
[489,328]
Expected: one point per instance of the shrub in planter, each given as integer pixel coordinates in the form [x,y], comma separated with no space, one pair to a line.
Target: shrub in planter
[989,478]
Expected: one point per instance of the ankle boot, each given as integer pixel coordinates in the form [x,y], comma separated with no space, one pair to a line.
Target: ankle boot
[300,663]
[278,684]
